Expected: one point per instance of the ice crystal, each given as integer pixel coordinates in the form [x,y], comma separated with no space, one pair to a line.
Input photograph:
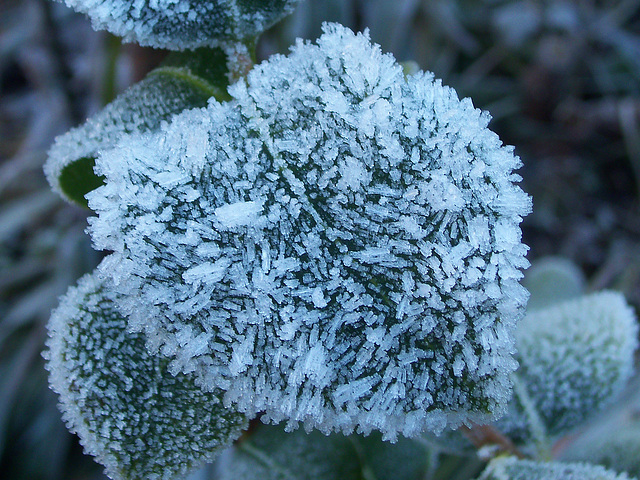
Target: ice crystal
[575,357]
[184,81]
[511,468]
[337,246]
[183,24]
[137,419]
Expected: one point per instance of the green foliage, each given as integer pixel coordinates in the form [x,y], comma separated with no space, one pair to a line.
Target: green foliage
[314,248]
[185,80]
[138,420]
[184,24]
[78,178]
[270,453]
[511,468]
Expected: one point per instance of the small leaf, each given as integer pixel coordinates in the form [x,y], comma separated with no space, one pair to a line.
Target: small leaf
[614,445]
[184,24]
[186,80]
[510,468]
[136,418]
[337,246]
[575,357]
[272,454]
[551,280]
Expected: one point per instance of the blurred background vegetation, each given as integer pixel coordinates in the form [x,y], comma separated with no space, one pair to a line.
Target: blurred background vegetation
[560,78]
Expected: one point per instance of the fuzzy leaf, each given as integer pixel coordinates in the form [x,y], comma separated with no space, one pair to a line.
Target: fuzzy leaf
[138,420]
[614,445]
[575,357]
[272,454]
[185,81]
[183,24]
[510,468]
[338,245]
[551,280]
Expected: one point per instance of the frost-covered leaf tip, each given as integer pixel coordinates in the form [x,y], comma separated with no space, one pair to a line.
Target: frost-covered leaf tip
[575,357]
[183,24]
[510,468]
[338,245]
[139,421]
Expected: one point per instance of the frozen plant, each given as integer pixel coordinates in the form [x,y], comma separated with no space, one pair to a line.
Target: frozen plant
[318,240]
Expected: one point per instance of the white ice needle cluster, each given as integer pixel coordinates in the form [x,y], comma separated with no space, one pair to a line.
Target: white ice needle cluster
[338,245]
[183,24]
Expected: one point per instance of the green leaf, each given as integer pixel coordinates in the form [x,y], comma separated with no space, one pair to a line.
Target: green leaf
[575,357]
[317,249]
[551,280]
[186,24]
[136,418]
[185,80]
[272,454]
[511,468]
[76,179]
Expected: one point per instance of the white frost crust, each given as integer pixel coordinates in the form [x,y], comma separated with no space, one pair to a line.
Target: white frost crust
[138,420]
[340,247]
[183,24]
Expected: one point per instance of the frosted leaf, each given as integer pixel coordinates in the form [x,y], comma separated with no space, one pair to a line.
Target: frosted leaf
[511,468]
[184,81]
[348,300]
[138,420]
[614,444]
[183,24]
[272,454]
[552,279]
[575,358]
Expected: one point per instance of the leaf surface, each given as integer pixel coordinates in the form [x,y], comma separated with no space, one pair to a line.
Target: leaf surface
[337,246]
[137,419]
[186,80]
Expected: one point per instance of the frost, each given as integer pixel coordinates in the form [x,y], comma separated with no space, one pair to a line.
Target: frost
[511,468]
[237,214]
[183,24]
[575,358]
[185,81]
[348,300]
[129,412]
